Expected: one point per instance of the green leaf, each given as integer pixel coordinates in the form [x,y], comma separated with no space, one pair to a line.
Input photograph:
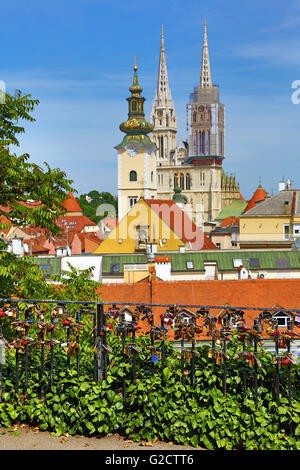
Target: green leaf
[84,387]
[167,373]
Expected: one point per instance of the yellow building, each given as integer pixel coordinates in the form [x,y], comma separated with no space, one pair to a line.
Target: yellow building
[272,223]
[153,226]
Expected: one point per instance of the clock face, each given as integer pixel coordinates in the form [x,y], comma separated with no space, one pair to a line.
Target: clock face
[159,113]
[131,150]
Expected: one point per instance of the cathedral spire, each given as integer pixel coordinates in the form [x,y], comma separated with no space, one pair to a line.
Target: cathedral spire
[205,77]
[163,115]
[163,95]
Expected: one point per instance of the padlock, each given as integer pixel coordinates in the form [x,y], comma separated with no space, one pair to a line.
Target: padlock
[154,359]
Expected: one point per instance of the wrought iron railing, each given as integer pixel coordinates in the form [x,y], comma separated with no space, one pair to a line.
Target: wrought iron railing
[51,324]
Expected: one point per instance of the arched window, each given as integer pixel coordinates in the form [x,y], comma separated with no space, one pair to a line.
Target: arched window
[151,176]
[133,106]
[188,181]
[194,117]
[181,181]
[202,150]
[133,176]
[161,147]
[175,180]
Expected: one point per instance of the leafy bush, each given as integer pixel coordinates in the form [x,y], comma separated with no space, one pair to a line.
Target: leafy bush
[157,406]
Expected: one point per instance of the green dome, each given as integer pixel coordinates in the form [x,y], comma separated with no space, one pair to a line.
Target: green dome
[136,127]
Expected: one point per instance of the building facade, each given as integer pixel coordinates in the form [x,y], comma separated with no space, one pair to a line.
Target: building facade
[273,222]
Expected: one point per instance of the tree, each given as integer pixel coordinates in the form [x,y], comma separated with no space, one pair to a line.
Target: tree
[21,181]
[97,199]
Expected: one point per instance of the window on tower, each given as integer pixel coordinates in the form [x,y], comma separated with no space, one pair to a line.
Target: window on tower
[175,180]
[188,181]
[133,175]
[133,106]
[132,201]
[181,181]
[161,147]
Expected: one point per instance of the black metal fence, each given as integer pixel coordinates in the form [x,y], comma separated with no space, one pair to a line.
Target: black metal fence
[50,324]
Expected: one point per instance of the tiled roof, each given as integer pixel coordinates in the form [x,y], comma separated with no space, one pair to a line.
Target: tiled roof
[181,224]
[263,293]
[234,209]
[258,196]
[267,260]
[74,223]
[71,204]
[285,202]
[230,221]
[37,244]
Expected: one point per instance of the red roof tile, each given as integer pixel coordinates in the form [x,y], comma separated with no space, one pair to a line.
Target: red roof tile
[258,196]
[230,221]
[254,293]
[181,224]
[74,223]
[71,204]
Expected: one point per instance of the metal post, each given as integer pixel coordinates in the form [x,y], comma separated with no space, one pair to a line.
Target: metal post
[26,359]
[255,377]
[162,348]
[224,368]
[95,345]
[277,384]
[124,377]
[51,356]
[182,359]
[99,342]
[244,369]
[133,358]
[77,349]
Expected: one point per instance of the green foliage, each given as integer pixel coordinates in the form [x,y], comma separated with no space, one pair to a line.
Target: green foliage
[22,180]
[157,407]
[97,199]
[15,109]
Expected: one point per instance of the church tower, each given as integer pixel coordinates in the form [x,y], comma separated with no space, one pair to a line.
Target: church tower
[163,116]
[136,154]
[206,114]
[196,166]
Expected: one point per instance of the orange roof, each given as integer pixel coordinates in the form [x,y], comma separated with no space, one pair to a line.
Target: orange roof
[74,223]
[30,203]
[230,221]
[71,204]
[89,241]
[258,196]
[254,293]
[181,224]
[37,244]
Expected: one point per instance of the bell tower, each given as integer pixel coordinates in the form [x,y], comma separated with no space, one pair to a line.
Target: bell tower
[136,154]
[206,114]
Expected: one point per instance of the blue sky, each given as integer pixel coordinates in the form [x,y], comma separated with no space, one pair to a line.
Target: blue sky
[76,57]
